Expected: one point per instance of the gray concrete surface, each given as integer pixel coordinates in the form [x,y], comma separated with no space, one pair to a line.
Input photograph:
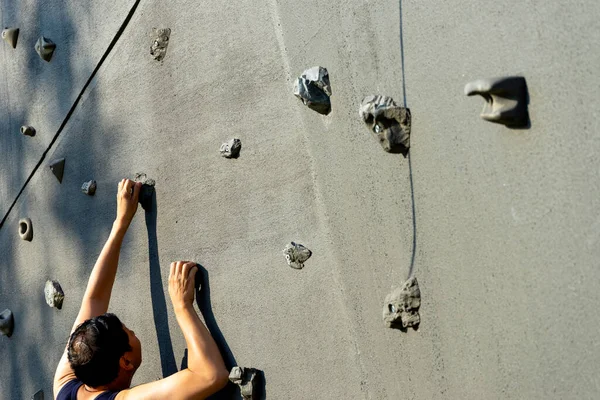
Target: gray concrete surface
[505,234]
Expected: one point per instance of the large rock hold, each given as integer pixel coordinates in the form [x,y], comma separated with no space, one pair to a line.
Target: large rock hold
[388,122]
[54,294]
[401,309]
[296,255]
[7,323]
[505,100]
[245,378]
[314,89]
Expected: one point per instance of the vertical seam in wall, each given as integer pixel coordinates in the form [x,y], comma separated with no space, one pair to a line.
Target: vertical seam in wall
[320,206]
[73,107]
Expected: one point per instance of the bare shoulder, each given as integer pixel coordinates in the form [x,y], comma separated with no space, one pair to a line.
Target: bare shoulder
[180,386]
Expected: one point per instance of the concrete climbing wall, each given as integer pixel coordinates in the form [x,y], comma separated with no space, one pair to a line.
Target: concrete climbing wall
[499,225]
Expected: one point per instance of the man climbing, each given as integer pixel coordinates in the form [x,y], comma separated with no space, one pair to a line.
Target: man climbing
[103,354]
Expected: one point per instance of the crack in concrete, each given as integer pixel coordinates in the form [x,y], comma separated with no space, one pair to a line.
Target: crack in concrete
[73,107]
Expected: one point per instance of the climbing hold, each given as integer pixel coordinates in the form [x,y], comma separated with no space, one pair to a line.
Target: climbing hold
[246,379]
[401,308]
[26,229]
[11,35]
[505,100]
[45,48]
[54,294]
[232,148]
[58,168]
[38,396]
[296,255]
[28,130]
[314,89]
[147,190]
[7,323]
[161,41]
[389,123]
[89,187]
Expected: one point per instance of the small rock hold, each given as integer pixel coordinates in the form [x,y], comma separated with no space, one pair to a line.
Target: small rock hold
[45,48]
[58,168]
[38,396]
[401,309]
[26,229]
[232,148]
[245,378]
[296,255]
[160,44]
[7,323]
[54,294]
[28,130]
[388,122]
[89,187]
[11,35]
[147,190]
[314,89]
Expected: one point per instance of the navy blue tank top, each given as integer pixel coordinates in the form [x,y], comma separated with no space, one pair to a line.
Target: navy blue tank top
[69,392]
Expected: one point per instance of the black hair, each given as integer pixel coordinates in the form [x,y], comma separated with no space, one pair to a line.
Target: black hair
[95,348]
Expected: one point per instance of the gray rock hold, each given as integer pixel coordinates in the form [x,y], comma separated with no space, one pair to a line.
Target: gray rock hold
[147,190]
[505,100]
[296,255]
[388,122]
[54,294]
[38,396]
[158,50]
[231,149]
[89,187]
[11,36]
[28,130]
[26,229]
[7,323]
[401,308]
[245,378]
[314,89]
[58,168]
[45,48]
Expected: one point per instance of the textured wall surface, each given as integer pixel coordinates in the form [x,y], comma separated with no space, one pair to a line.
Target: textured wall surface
[501,226]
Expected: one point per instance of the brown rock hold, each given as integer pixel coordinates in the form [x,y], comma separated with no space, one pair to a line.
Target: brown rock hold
[388,122]
[401,308]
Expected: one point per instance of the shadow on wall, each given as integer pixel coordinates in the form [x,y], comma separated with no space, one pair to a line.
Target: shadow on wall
[159,304]
[231,391]
[27,352]
[32,353]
